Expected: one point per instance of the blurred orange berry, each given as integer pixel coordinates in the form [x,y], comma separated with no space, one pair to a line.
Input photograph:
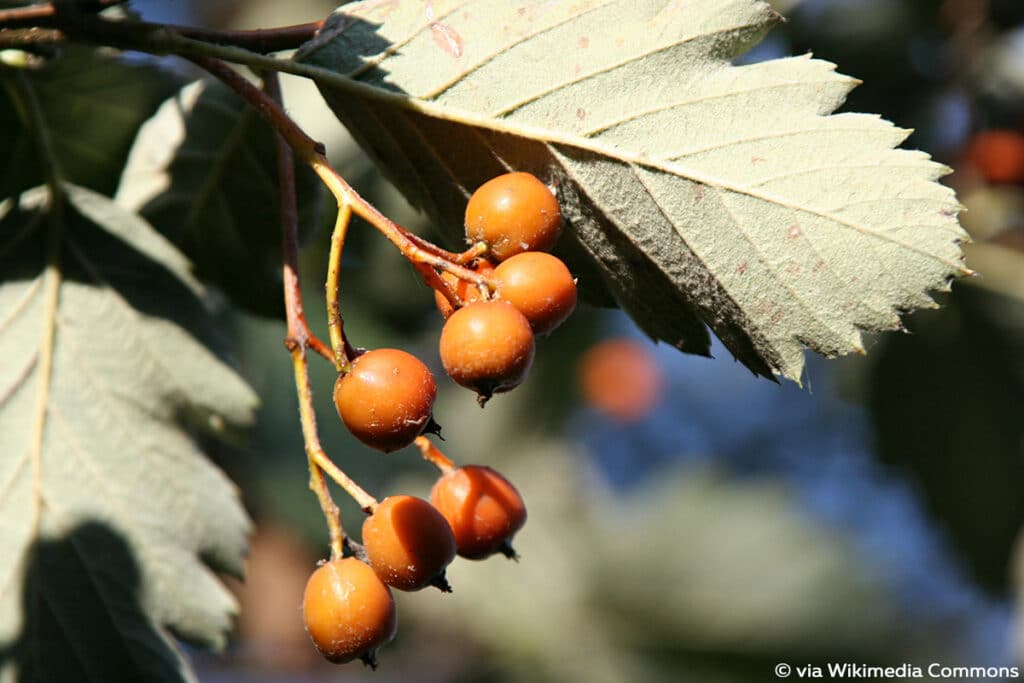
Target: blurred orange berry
[621,379]
[998,155]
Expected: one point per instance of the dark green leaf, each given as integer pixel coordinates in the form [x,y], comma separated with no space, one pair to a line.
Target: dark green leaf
[946,401]
[93,104]
[203,171]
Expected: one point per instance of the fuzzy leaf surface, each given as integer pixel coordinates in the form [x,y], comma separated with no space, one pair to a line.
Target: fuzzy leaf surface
[112,520]
[705,193]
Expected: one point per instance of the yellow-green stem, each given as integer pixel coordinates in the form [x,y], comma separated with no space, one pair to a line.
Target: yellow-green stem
[342,351]
[400,237]
[363,499]
[314,452]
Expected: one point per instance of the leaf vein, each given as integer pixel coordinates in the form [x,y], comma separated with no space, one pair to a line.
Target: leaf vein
[392,49]
[529,35]
[21,304]
[508,109]
[612,123]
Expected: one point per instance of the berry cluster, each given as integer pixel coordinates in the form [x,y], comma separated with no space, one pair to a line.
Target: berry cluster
[501,293]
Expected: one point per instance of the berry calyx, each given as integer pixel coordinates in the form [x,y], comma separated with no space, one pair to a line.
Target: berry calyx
[348,611]
[386,398]
[408,543]
[540,286]
[483,508]
[487,346]
[513,213]
[466,291]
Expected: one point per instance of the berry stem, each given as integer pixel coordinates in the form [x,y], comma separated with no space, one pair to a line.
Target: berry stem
[435,281]
[415,249]
[407,243]
[343,352]
[298,331]
[364,500]
[476,251]
[433,454]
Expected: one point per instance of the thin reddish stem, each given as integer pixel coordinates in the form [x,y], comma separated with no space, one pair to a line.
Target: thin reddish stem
[298,331]
[50,15]
[314,154]
[433,454]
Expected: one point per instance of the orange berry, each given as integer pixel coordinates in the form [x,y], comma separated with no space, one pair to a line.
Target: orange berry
[467,291]
[386,398]
[512,213]
[487,346]
[408,543]
[540,286]
[998,155]
[483,508]
[620,378]
[349,612]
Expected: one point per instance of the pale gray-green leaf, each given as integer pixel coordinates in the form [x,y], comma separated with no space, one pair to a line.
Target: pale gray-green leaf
[704,191]
[112,520]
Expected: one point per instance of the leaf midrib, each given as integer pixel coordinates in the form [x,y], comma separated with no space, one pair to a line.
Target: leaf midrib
[334,79]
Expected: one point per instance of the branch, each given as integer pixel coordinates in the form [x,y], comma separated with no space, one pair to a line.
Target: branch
[53,16]
[298,331]
[313,153]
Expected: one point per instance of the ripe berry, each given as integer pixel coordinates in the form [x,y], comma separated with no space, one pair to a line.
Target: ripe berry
[540,286]
[483,508]
[512,213]
[386,398]
[467,291]
[487,346]
[348,611]
[998,155]
[408,543]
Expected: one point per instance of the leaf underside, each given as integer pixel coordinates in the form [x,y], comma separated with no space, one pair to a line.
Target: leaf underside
[112,520]
[705,194]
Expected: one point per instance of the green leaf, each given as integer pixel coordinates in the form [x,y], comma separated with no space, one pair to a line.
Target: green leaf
[707,193]
[93,104]
[203,171]
[114,522]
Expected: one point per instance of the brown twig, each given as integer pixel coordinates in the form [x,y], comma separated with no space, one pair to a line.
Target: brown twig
[298,331]
[314,154]
[70,19]
[26,37]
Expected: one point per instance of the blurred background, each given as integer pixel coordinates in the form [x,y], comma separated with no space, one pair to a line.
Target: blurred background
[688,521]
